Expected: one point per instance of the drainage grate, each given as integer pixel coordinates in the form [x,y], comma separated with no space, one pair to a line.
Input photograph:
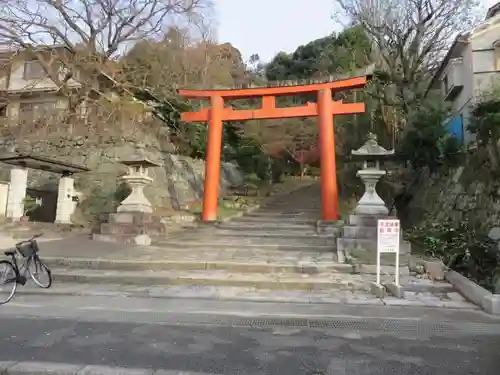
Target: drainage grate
[378,325]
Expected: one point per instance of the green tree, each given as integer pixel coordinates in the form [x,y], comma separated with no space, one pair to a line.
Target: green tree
[426,140]
[485,124]
[336,53]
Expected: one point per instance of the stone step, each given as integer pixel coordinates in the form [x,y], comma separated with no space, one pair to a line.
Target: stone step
[288,211]
[216,234]
[281,216]
[272,281]
[257,225]
[273,220]
[269,235]
[266,231]
[233,265]
[349,231]
[294,204]
[237,244]
[227,293]
[302,243]
[357,243]
[366,220]
[359,297]
[327,281]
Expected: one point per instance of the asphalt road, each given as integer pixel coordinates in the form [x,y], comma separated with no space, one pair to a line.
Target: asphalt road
[244,350]
[222,337]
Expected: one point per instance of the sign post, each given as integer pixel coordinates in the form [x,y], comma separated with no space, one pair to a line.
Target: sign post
[388,236]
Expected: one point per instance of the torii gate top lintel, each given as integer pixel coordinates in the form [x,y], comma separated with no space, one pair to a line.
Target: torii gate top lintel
[242,93]
[269,109]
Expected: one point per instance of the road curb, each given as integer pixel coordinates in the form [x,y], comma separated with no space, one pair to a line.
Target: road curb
[481,297]
[52,368]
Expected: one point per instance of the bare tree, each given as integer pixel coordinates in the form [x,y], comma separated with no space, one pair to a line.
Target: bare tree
[411,37]
[296,137]
[300,141]
[182,58]
[91,32]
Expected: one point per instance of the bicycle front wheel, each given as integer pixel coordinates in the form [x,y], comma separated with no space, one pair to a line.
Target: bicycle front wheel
[39,272]
[8,281]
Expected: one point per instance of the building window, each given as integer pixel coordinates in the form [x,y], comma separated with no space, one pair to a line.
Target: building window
[33,69]
[32,111]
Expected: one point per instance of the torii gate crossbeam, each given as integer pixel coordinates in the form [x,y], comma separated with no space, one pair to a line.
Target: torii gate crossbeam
[325,108]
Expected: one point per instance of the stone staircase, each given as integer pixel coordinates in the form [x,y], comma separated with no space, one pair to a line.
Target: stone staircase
[275,248]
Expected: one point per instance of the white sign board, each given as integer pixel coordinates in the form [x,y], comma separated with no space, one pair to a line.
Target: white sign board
[388,237]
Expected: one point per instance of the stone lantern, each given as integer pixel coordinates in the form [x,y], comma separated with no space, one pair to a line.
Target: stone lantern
[359,233]
[134,222]
[371,153]
[137,179]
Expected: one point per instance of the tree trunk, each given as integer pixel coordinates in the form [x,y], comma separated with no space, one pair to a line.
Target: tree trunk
[493,154]
[269,170]
[303,170]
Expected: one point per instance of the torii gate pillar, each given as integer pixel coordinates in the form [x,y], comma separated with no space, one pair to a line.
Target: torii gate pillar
[329,193]
[212,164]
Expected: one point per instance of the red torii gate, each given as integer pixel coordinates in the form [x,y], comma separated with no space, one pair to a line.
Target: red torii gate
[325,109]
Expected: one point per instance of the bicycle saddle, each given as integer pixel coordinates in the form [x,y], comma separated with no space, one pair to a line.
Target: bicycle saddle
[9,253]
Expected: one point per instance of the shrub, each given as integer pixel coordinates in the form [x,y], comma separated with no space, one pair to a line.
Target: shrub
[461,247]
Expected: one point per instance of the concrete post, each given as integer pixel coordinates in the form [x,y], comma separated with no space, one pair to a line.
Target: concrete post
[65,204]
[17,193]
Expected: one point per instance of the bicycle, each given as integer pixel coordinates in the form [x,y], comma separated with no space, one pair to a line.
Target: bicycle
[12,274]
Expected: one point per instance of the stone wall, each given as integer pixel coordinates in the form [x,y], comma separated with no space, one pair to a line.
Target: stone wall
[178,182]
[467,191]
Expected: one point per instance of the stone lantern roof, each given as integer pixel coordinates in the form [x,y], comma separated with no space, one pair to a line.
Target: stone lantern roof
[140,157]
[371,149]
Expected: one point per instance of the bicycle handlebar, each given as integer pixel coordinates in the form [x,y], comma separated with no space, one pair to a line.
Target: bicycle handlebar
[31,239]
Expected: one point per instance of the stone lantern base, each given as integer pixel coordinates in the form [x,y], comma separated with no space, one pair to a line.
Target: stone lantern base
[359,239]
[131,228]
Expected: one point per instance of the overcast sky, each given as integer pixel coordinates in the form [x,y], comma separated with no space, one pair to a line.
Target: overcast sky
[267,27]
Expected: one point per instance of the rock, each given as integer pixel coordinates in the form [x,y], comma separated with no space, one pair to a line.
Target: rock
[494,233]
[435,270]
[418,269]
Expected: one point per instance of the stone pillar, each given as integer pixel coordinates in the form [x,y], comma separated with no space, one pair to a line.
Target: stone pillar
[65,204]
[17,193]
